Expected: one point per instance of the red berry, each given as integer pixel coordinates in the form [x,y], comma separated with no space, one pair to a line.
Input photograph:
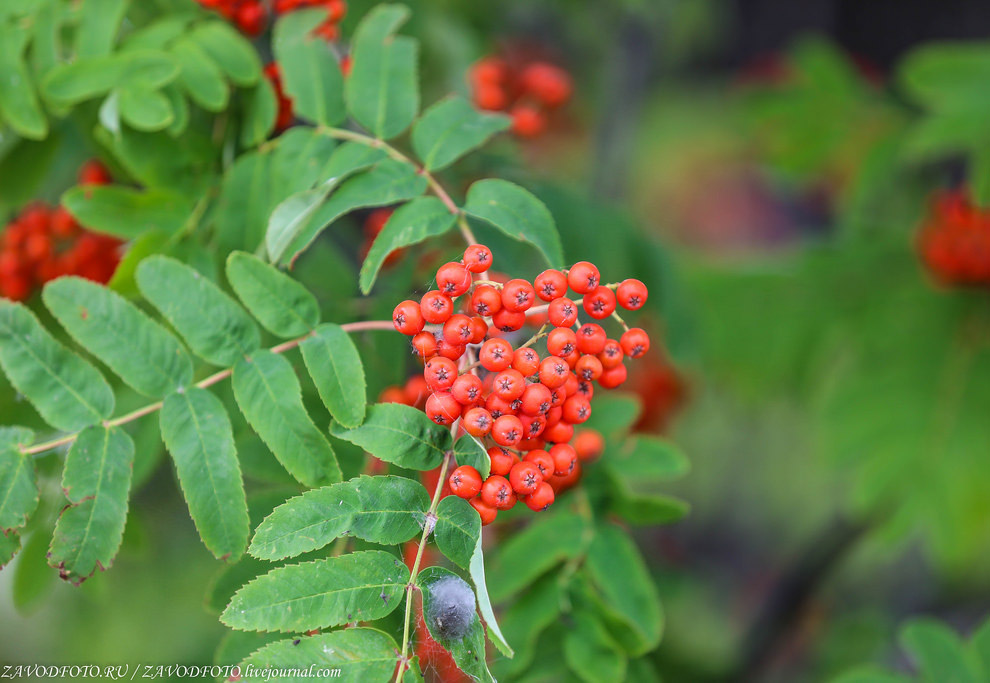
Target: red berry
[549,84]
[393,395]
[424,343]
[478,258]
[495,355]
[562,312]
[599,303]
[490,70]
[467,389]
[440,373]
[577,409]
[631,294]
[533,425]
[527,121]
[517,295]
[611,355]
[63,224]
[588,444]
[562,432]
[540,499]
[588,368]
[465,482]
[458,330]
[477,422]
[554,372]
[479,330]
[583,277]
[448,350]
[502,460]
[507,431]
[93,173]
[635,342]
[509,385]
[613,377]
[408,318]
[550,284]
[436,307]
[542,460]
[564,458]
[487,512]
[536,400]
[453,279]
[442,408]
[509,321]
[561,342]
[490,97]
[251,18]
[525,478]
[486,300]
[591,338]
[526,361]
[497,493]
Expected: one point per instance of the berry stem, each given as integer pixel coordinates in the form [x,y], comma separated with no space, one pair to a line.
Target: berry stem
[622,322]
[202,384]
[414,572]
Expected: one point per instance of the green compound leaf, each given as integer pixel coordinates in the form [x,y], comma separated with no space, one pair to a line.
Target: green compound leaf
[361,586]
[518,214]
[627,589]
[400,435]
[387,183]
[145,355]
[310,73]
[213,325]
[477,571]
[126,212]
[335,366]
[269,395]
[97,481]
[411,223]
[283,306]
[68,392]
[360,654]
[457,530]
[233,53]
[386,510]
[450,129]
[18,485]
[469,451]
[382,89]
[19,106]
[449,611]
[197,432]
[591,652]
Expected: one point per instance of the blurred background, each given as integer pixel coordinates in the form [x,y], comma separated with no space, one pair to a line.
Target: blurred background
[794,181]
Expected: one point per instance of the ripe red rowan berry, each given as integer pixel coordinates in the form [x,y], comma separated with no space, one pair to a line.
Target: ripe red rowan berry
[436,307]
[442,408]
[550,284]
[424,343]
[498,406]
[94,173]
[561,342]
[588,368]
[533,425]
[458,330]
[477,258]
[465,482]
[393,395]
[479,330]
[613,377]
[448,350]
[542,460]
[635,342]
[477,422]
[526,361]
[562,432]
[599,303]
[508,321]
[564,458]
[554,372]
[487,512]
[588,444]
[562,312]
[467,390]
[583,277]
[507,431]
[577,409]
[408,318]
[611,354]
[631,294]
[502,460]
[540,499]
[490,97]
[591,338]
[509,385]
[453,279]
[517,295]
[440,373]
[536,400]
[525,478]
[549,84]
[417,390]
[527,121]
[486,300]
[497,493]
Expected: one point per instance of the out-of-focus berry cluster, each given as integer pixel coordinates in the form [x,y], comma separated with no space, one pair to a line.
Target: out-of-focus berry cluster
[528,92]
[954,242]
[251,17]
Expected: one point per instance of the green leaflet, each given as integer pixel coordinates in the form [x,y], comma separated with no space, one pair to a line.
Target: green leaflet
[382,89]
[939,653]
[99,21]
[477,571]
[283,306]
[469,451]
[400,435]
[19,106]
[450,129]
[361,654]
[199,75]
[126,212]
[198,434]
[412,223]
[386,510]
[590,651]
[361,586]
[310,72]
[246,199]
[10,543]
[85,78]
[457,531]
[144,109]
[268,393]
[18,485]
[68,392]
[213,325]
[518,214]
[443,612]
[527,617]
[97,481]
[260,114]
[335,366]
[145,355]
[230,50]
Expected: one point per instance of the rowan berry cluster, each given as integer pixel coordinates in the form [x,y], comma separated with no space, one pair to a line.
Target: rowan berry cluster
[955,241]
[528,92]
[251,16]
[526,404]
[43,243]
